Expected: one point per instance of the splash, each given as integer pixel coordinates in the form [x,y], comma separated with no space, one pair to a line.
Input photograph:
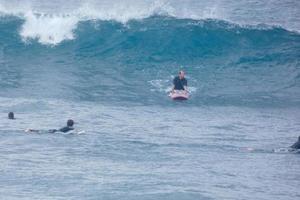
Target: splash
[48,29]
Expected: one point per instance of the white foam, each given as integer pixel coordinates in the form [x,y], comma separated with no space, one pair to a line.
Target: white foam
[51,22]
[123,11]
[48,29]
[52,27]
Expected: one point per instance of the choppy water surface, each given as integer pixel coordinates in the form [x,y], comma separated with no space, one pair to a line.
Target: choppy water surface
[151,152]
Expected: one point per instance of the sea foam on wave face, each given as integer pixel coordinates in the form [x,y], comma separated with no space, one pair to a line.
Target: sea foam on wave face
[51,22]
[48,29]
[53,28]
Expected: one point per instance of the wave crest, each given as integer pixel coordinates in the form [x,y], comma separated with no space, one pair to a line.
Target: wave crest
[53,28]
[48,29]
[55,21]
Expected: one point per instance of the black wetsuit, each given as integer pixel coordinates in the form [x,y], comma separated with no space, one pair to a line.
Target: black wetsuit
[64,129]
[179,83]
[296,145]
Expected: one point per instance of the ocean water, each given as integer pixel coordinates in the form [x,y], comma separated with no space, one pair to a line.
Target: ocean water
[109,65]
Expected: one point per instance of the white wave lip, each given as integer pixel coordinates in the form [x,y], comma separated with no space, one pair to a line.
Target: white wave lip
[53,28]
[48,29]
[51,22]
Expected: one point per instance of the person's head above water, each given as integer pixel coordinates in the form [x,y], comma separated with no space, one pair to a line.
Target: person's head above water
[70,122]
[11,115]
[181,74]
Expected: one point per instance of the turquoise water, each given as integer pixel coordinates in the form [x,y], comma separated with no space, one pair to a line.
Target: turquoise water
[110,66]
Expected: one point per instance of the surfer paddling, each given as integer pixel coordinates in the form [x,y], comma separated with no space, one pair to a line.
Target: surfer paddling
[180,82]
[65,129]
[179,90]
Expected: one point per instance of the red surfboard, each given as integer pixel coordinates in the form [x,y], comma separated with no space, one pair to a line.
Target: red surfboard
[179,95]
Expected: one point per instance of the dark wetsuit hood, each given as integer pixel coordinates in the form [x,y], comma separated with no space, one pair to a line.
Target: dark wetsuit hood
[70,122]
[11,115]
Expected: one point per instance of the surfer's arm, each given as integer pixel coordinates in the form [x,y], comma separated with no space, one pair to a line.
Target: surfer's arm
[52,131]
[185,85]
[32,130]
[173,88]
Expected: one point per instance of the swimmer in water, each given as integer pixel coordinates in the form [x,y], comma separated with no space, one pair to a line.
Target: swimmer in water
[11,115]
[65,129]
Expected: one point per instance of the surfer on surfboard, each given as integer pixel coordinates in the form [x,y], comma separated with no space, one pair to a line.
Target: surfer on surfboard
[180,82]
[179,90]
[65,129]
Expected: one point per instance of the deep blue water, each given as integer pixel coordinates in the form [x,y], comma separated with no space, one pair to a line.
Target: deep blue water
[110,69]
[134,64]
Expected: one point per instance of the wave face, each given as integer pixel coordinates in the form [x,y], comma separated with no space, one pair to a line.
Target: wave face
[51,22]
[133,59]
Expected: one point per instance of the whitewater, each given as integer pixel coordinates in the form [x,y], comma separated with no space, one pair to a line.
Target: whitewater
[109,65]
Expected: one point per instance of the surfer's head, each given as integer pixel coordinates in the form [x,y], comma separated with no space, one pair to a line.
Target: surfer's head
[11,115]
[181,74]
[70,122]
